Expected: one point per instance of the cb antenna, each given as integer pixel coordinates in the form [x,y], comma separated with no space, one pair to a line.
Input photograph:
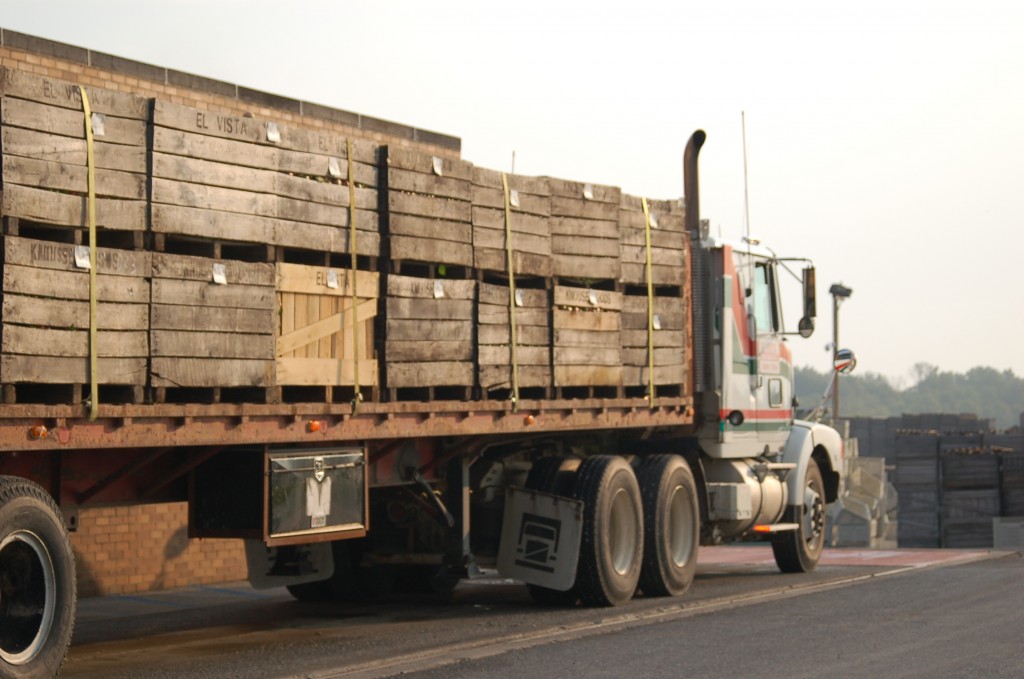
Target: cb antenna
[746,196]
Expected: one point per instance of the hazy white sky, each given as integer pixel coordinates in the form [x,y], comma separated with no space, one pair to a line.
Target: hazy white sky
[884,138]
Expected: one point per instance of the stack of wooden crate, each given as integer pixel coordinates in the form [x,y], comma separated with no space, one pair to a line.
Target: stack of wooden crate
[247,180]
[529,212]
[532,342]
[655,322]
[970,496]
[587,324]
[917,485]
[430,209]
[585,230]
[44,156]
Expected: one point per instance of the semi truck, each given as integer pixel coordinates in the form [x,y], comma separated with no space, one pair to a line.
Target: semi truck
[380,368]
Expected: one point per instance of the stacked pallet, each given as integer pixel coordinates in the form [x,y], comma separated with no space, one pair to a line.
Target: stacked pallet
[429,333]
[430,208]
[917,484]
[587,324]
[667,339]
[44,155]
[669,242]
[241,179]
[529,211]
[322,331]
[494,338]
[212,325]
[46,318]
[970,496]
[585,230]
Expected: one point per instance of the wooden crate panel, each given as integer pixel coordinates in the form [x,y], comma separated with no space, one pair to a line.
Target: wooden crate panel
[587,325]
[222,176]
[494,337]
[46,314]
[669,340]
[430,332]
[206,334]
[585,230]
[320,329]
[430,208]
[530,214]
[669,244]
[44,153]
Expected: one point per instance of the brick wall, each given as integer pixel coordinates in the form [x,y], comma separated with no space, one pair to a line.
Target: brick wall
[140,548]
[145,547]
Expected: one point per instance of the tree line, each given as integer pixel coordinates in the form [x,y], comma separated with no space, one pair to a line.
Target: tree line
[986,392]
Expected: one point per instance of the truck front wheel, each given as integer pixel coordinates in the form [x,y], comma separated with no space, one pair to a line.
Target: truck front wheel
[37,582]
[798,551]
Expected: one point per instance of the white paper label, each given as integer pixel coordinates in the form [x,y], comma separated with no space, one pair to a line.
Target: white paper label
[273,133]
[220,274]
[333,167]
[588,191]
[657,322]
[513,198]
[332,279]
[99,125]
[82,257]
[438,290]
[438,166]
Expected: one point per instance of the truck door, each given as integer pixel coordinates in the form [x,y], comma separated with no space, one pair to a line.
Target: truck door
[772,377]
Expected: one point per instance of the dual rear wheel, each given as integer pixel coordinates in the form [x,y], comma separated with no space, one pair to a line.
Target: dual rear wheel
[640,526]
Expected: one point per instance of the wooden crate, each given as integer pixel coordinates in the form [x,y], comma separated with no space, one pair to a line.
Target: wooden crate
[219,176]
[429,332]
[587,348]
[585,230]
[205,334]
[429,208]
[530,212]
[669,251]
[494,338]
[670,358]
[44,153]
[46,314]
[316,338]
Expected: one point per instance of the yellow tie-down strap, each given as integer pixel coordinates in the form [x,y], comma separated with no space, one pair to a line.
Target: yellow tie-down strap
[358,396]
[511,294]
[91,213]
[650,305]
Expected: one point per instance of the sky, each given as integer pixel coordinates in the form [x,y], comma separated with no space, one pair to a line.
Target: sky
[883,139]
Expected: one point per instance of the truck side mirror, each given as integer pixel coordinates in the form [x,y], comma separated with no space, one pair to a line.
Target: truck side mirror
[806,325]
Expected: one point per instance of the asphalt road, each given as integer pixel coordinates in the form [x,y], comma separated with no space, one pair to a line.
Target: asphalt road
[861,614]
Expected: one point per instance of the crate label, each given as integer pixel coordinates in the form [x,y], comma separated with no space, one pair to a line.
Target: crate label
[82,257]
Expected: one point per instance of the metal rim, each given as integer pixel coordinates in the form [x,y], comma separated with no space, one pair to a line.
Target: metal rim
[813,516]
[680,529]
[622,532]
[29,599]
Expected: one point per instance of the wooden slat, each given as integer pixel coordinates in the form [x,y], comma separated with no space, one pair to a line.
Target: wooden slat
[211,344]
[573,189]
[585,298]
[500,376]
[423,288]
[209,294]
[71,285]
[408,159]
[493,314]
[580,355]
[399,330]
[434,350]
[502,355]
[537,186]
[186,267]
[39,205]
[591,228]
[429,228]
[175,317]
[324,372]
[428,184]
[33,341]
[325,327]
[587,376]
[586,268]
[488,218]
[430,206]
[67,123]
[74,178]
[211,372]
[61,256]
[419,374]
[62,313]
[70,151]
[23,85]
[430,309]
[312,280]
[58,370]
[430,250]
[499,294]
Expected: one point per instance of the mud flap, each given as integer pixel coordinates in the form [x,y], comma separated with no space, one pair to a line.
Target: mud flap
[540,538]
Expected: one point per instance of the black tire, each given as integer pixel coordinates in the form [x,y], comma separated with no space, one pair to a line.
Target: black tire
[671,525]
[554,475]
[432,581]
[612,545]
[37,582]
[312,592]
[351,581]
[798,551]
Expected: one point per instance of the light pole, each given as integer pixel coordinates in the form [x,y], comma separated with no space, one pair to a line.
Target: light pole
[839,292]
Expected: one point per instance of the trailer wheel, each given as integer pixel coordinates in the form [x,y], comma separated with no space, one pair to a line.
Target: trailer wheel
[37,582]
[671,525]
[798,551]
[553,475]
[612,545]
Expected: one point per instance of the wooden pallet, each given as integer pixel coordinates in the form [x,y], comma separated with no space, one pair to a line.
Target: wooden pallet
[494,338]
[44,153]
[530,211]
[221,176]
[585,230]
[669,242]
[429,338]
[429,208]
[46,315]
[670,364]
[316,338]
[587,325]
[209,335]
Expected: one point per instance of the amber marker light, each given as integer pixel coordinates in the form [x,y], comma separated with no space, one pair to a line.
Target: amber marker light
[314,426]
[762,529]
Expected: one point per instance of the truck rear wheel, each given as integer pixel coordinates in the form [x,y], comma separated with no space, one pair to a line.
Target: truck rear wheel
[611,548]
[37,582]
[798,551]
[553,475]
[671,525]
